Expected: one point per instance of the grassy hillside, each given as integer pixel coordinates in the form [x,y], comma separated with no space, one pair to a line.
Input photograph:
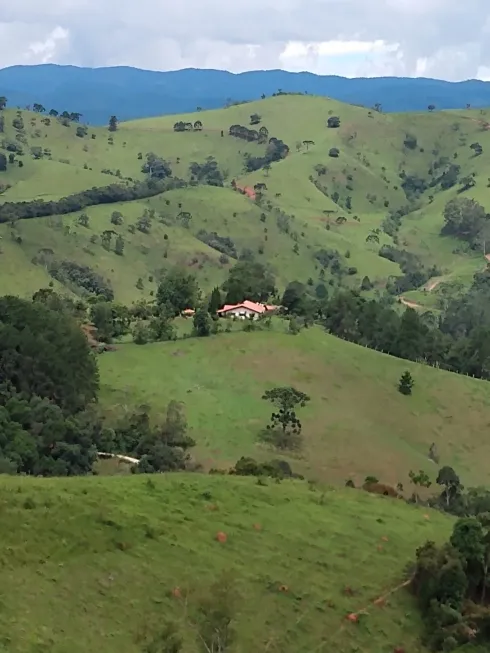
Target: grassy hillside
[309,188]
[93,564]
[356,424]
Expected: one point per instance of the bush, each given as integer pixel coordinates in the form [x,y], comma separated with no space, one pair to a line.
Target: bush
[334,152]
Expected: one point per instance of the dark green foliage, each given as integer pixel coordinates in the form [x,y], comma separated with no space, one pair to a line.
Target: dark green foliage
[415,274]
[207,172]
[406,383]
[119,246]
[249,280]
[333,122]
[113,122]
[275,151]
[222,244]
[451,495]
[294,297]
[38,438]
[40,350]
[3,162]
[117,218]
[82,131]
[366,284]
[334,152]
[202,323]
[164,447]
[273,468]
[177,291]
[410,142]
[285,427]
[81,276]
[104,195]
[215,302]
[466,219]
[156,167]
[451,585]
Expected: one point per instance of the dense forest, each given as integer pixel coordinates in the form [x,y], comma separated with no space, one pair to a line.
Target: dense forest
[49,424]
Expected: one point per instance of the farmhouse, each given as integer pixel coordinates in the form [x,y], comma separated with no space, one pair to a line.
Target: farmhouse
[246,310]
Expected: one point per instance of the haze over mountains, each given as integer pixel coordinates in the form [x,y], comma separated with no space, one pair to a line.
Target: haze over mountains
[97,93]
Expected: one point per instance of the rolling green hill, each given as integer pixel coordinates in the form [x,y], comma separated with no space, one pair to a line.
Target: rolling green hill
[104,564]
[305,192]
[357,423]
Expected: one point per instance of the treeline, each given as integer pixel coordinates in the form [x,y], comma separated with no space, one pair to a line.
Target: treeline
[410,336]
[10,211]
[457,341]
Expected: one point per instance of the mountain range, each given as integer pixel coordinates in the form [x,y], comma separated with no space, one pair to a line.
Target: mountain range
[131,93]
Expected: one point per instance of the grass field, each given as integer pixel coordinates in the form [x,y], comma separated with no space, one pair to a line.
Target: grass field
[356,424]
[365,177]
[92,564]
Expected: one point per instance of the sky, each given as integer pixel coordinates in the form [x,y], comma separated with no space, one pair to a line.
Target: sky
[447,39]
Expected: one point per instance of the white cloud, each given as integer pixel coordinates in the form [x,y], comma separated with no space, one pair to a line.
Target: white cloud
[45,51]
[441,38]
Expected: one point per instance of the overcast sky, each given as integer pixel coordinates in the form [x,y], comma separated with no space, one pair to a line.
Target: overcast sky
[449,39]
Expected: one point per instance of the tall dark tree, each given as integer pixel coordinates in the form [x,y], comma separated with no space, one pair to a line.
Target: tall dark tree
[3,102]
[113,123]
[249,280]
[215,302]
[177,291]
[287,400]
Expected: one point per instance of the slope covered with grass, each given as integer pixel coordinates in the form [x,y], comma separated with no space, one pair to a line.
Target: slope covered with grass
[103,564]
[311,200]
[356,424]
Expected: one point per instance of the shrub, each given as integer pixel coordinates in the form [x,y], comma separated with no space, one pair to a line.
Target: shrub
[334,152]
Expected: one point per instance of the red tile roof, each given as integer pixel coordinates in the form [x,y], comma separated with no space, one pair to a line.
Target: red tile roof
[248,305]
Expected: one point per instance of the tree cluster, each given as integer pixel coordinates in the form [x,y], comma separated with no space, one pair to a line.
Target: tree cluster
[451,583]
[10,211]
[467,220]
[48,378]
[453,344]
[275,151]
[206,173]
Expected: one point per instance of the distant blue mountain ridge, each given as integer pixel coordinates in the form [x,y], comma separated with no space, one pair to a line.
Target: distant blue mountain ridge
[130,93]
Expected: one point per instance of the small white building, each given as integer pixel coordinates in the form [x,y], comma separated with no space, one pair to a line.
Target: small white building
[246,310]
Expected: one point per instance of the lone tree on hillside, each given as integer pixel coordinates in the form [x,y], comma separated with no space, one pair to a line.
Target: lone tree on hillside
[477,148]
[420,479]
[3,102]
[113,122]
[431,107]
[450,480]
[284,430]
[406,383]
[333,122]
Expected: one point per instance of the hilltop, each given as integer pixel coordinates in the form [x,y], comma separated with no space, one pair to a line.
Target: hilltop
[333,191]
[106,563]
[99,92]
